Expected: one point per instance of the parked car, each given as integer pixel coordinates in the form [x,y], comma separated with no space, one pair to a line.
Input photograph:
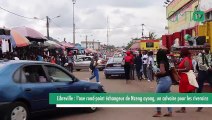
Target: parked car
[25,87]
[114,67]
[84,63]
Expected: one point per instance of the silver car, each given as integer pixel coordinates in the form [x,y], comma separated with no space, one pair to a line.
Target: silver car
[114,67]
[83,63]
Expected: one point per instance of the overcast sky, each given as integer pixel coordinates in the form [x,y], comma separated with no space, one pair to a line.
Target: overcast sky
[125,18]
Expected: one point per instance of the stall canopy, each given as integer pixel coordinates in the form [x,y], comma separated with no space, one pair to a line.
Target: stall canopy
[66,44]
[53,45]
[18,40]
[89,50]
[79,47]
[30,33]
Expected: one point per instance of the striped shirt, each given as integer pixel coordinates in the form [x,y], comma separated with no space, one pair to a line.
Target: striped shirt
[202,65]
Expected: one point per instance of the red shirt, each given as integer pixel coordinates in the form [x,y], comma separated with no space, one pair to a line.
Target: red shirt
[128,59]
[132,57]
[184,86]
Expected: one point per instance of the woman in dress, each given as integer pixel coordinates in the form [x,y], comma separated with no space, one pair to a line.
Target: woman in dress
[185,66]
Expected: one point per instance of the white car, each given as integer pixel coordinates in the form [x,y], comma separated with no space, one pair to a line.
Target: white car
[84,63]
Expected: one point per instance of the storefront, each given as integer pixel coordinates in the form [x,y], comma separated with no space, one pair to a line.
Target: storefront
[149,44]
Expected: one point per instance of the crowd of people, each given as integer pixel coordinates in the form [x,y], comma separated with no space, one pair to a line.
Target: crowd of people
[142,63]
[146,68]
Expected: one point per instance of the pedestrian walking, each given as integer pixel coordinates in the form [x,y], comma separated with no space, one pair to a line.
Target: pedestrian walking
[185,66]
[94,69]
[127,65]
[144,59]
[138,66]
[70,62]
[164,79]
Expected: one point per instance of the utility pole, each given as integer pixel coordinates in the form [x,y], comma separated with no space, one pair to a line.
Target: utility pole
[93,43]
[74,1]
[142,30]
[47,26]
[107,31]
[86,41]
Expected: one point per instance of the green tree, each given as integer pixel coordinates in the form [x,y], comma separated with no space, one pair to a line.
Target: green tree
[152,36]
[129,44]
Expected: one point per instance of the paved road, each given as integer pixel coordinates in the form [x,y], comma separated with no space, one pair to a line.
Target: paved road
[118,85]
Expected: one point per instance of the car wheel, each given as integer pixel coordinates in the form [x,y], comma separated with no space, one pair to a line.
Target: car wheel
[107,76]
[90,109]
[77,69]
[17,111]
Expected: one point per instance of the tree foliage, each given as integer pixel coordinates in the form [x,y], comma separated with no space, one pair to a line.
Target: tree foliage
[152,36]
[129,44]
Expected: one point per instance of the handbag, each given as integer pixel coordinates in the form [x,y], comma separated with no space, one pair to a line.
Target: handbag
[192,78]
[174,75]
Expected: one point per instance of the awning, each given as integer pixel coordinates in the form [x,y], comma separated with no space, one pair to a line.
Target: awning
[66,44]
[18,40]
[53,45]
[89,50]
[30,33]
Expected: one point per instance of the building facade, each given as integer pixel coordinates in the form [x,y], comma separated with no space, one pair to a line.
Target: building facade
[91,44]
[182,19]
[179,15]
[149,44]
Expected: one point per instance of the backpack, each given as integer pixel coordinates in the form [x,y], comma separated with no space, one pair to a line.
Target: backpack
[91,65]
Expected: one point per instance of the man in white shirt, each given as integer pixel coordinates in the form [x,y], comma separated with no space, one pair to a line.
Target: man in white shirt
[150,64]
[144,59]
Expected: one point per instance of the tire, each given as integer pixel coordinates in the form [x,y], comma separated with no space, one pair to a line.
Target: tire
[77,69]
[17,111]
[107,76]
[90,109]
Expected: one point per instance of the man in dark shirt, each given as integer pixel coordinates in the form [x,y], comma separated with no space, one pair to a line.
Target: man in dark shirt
[138,66]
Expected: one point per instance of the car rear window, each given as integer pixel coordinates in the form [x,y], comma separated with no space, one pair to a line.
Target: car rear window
[114,65]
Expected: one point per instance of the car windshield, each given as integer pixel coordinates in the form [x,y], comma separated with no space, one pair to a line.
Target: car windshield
[117,56]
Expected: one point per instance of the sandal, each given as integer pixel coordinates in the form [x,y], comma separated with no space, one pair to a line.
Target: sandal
[180,111]
[157,115]
[168,115]
[199,109]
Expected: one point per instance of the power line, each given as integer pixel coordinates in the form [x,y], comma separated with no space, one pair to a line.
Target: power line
[34,18]
[56,24]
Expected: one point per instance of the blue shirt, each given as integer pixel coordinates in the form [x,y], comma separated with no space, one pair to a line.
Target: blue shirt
[39,58]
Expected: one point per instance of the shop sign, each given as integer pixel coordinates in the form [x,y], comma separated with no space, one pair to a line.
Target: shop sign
[197,16]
